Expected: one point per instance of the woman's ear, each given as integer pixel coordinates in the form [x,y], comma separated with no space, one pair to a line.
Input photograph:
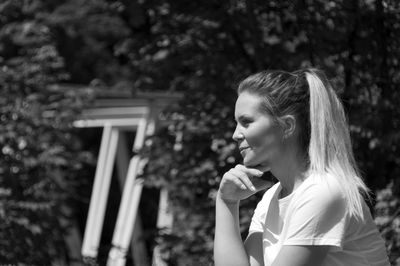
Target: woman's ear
[288,123]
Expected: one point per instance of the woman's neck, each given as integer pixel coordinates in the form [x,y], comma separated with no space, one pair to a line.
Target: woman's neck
[291,173]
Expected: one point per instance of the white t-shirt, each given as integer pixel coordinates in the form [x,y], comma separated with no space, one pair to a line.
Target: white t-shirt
[315,214]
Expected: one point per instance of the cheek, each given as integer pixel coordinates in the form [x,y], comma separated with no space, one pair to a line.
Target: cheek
[270,145]
[263,139]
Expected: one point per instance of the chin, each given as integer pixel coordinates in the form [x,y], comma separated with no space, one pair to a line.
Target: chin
[249,163]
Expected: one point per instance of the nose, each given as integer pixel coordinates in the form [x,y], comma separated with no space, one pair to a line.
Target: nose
[237,135]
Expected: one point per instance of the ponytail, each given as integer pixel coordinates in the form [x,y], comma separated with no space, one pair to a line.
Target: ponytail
[330,145]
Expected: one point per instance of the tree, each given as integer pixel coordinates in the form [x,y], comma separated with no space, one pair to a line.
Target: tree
[40,153]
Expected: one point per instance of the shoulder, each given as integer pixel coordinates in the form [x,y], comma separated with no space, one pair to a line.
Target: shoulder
[317,213]
[322,191]
[323,186]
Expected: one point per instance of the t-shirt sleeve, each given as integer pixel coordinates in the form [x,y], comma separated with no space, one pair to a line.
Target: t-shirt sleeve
[318,217]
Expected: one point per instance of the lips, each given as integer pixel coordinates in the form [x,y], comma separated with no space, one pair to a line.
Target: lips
[243,148]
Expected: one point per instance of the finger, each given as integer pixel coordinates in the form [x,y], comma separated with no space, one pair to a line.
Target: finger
[244,178]
[249,171]
[266,176]
[262,168]
[260,182]
[236,180]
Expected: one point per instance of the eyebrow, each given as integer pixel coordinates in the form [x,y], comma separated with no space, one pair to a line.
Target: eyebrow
[241,117]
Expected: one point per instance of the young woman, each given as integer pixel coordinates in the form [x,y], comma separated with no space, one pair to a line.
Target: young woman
[293,125]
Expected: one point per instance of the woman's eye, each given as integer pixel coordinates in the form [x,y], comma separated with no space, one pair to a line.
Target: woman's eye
[246,122]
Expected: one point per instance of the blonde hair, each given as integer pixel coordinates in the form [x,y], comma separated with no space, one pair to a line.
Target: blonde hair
[324,133]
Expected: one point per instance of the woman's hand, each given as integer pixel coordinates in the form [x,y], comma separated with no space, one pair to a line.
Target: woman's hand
[240,183]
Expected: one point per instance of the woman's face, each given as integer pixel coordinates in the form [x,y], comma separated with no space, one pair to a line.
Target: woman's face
[258,136]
